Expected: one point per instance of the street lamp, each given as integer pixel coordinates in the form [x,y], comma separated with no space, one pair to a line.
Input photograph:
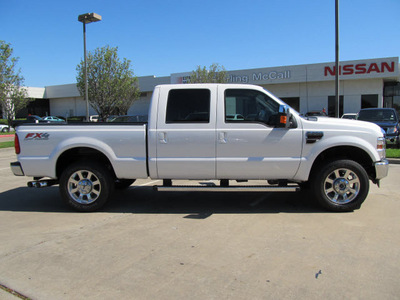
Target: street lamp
[86,19]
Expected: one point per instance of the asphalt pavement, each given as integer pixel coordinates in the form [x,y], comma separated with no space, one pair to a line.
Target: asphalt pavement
[154,245]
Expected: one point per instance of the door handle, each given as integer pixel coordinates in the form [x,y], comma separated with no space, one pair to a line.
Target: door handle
[162,137]
[222,137]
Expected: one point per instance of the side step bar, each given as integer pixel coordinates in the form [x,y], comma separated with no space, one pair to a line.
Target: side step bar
[241,188]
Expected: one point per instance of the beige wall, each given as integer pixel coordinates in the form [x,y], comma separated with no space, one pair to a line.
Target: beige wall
[314,95]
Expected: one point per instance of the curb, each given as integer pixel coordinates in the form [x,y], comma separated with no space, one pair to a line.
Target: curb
[394,161]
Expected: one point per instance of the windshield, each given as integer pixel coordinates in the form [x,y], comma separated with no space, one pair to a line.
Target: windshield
[380,115]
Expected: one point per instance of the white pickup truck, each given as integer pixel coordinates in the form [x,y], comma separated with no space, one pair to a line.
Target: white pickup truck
[220,132]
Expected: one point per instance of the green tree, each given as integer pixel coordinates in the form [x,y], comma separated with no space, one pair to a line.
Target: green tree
[13,96]
[214,74]
[112,85]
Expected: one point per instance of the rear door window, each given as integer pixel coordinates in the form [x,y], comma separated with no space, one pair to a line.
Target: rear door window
[188,106]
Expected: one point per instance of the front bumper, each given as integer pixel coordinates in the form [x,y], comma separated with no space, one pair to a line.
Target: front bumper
[16,168]
[381,169]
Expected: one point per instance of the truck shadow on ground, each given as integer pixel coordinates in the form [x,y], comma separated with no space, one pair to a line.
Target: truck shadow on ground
[144,200]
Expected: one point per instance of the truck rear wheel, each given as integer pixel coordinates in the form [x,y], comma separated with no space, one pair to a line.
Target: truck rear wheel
[341,185]
[86,186]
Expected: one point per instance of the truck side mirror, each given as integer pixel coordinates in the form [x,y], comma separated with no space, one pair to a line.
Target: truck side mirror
[283,117]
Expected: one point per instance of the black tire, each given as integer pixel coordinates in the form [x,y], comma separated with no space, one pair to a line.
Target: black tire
[341,185]
[5,129]
[86,186]
[121,184]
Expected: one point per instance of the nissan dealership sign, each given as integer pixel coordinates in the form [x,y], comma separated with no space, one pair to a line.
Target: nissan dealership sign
[358,69]
[386,68]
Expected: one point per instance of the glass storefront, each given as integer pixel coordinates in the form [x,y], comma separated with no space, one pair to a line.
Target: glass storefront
[369,101]
[332,105]
[292,102]
[40,107]
[391,95]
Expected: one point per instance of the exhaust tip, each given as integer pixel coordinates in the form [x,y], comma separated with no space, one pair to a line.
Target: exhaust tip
[37,184]
[41,183]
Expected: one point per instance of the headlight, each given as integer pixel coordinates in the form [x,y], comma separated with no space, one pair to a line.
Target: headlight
[391,130]
[381,147]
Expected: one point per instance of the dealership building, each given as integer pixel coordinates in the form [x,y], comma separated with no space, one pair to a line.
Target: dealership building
[363,83]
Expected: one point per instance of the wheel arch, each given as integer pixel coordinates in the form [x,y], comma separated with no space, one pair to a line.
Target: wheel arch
[82,153]
[345,152]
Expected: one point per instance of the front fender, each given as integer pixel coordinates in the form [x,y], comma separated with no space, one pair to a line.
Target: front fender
[313,151]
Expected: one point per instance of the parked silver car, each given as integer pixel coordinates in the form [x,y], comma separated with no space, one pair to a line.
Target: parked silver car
[5,128]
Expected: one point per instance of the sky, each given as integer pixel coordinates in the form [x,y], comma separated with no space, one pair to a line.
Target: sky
[165,37]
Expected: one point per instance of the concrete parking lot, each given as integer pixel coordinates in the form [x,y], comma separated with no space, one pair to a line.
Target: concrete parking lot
[149,245]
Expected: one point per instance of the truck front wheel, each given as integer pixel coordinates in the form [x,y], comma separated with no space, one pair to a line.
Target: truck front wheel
[86,186]
[341,185]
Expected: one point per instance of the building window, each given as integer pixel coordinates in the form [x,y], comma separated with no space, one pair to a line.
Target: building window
[369,101]
[391,95]
[188,106]
[293,102]
[332,105]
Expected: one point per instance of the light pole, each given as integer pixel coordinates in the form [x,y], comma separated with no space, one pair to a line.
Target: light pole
[86,19]
[337,97]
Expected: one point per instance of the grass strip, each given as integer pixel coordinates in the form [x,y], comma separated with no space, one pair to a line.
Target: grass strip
[6,144]
[393,153]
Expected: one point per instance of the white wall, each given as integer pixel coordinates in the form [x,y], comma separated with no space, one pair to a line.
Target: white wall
[140,106]
[314,95]
[69,107]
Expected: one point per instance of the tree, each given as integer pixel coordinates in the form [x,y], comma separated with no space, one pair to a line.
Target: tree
[112,85]
[215,74]
[13,96]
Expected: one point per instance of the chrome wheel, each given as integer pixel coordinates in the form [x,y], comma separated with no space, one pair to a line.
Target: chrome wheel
[342,186]
[84,187]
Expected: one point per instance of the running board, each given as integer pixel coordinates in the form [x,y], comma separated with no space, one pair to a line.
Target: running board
[196,188]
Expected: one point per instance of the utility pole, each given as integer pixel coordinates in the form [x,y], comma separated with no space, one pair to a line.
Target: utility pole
[86,19]
[337,97]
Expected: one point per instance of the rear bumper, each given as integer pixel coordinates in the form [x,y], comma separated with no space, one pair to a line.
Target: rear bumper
[16,168]
[381,169]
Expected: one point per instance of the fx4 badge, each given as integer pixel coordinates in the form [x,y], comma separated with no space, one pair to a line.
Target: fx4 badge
[37,136]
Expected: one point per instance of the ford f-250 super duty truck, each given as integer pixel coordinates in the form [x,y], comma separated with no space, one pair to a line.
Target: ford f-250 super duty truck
[207,131]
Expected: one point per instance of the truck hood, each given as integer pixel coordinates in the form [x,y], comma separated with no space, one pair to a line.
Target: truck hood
[326,123]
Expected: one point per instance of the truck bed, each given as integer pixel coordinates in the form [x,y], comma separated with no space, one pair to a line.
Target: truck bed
[123,144]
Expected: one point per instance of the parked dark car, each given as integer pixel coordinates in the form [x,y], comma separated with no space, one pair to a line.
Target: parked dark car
[387,119]
[29,120]
[130,119]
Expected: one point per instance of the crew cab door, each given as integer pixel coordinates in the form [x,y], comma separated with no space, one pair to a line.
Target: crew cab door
[249,145]
[186,132]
